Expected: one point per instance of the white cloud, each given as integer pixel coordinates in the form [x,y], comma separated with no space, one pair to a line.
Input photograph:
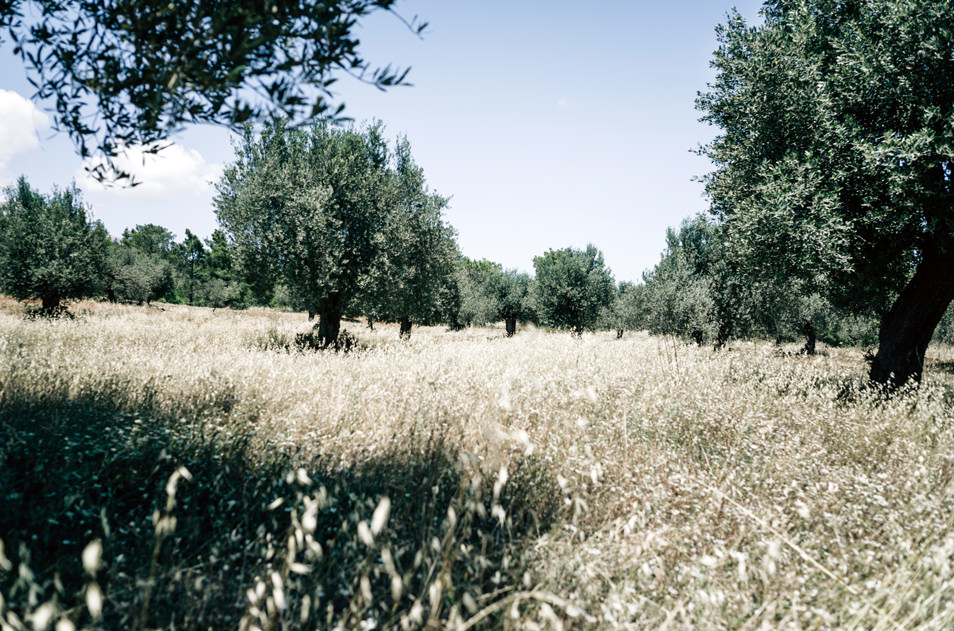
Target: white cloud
[172,172]
[20,121]
[563,103]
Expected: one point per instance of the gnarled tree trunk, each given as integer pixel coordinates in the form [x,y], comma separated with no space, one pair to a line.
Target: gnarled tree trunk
[329,319]
[811,338]
[907,328]
[51,303]
[723,334]
[511,324]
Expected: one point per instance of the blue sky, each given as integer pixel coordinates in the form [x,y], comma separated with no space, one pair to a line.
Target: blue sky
[549,124]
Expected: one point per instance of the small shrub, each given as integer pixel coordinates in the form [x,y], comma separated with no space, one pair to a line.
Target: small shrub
[273,340]
[36,312]
[309,341]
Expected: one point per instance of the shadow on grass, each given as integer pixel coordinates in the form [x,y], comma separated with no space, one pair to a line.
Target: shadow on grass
[263,537]
[947,367]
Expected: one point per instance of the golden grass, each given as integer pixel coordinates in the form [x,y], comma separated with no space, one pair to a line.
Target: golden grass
[740,489]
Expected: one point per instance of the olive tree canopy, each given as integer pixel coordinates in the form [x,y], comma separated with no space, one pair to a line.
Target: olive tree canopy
[50,249]
[834,158]
[306,207]
[417,250]
[131,72]
[572,288]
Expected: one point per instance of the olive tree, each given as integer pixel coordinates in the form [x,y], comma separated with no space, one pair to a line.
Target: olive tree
[834,159]
[50,248]
[571,288]
[476,307]
[509,293]
[417,250]
[306,206]
[627,311]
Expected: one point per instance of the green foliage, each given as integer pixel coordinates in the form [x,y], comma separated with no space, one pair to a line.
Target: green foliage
[678,303]
[697,292]
[150,239]
[489,293]
[133,72]
[833,165]
[285,299]
[136,276]
[49,248]
[417,250]
[509,291]
[627,311]
[306,207]
[333,221]
[150,265]
[191,257]
[475,306]
[219,258]
[220,293]
[572,288]
[691,293]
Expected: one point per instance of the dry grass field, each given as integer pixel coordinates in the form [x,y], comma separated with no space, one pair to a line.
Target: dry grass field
[183,468]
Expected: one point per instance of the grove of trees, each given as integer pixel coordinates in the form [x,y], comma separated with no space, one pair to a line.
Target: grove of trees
[148,264]
[406,267]
[699,292]
[831,198]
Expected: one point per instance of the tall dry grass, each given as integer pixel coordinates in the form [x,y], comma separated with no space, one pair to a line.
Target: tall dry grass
[220,478]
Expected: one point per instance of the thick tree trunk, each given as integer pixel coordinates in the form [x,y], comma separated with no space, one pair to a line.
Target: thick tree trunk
[723,335]
[907,328]
[51,303]
[405,329]
[329,320]
[511,326]
[811,337]
[192,284]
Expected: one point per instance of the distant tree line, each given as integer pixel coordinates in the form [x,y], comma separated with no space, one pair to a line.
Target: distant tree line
[408,269]
[52,251]
[700,292]
[331,221]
